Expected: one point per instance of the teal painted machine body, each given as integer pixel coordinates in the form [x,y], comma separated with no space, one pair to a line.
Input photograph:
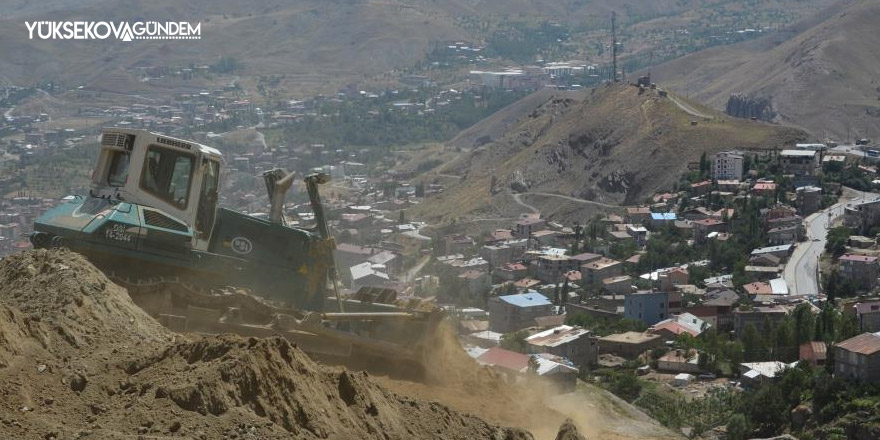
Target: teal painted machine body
[282,263]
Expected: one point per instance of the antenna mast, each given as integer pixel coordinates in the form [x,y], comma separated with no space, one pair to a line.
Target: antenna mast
[614,45]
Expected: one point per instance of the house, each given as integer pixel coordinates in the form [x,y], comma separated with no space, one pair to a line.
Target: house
[860,270]
[367,275]
[755,374]
[702,229]
[763,273]
[783,251]
[584,258]
[558,371]
[727,165]
[504,360]
[551,268]
[799,162]
[858,358]
[499,235]
[620,285]
[723,303]
[783,235]
[497,254]
[764,189]
[809,199]
[638,233]
[629,345]
[511,313]
[595,271]
[526,226]
[676,277]
[730,185]
[868,316]
[813,352]
[683,323]
[701,188]
[574,343]
[545,237]
[474,282]
[648,307]
[861,242]
[698,213]
[680,361]
[392,261]
[862,217]
[682,379]
[511,272]
[658,219]
[756,316]
[638,214]
[765,260]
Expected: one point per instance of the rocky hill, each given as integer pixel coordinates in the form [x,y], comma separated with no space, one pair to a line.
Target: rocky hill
[822,79]
[603,147]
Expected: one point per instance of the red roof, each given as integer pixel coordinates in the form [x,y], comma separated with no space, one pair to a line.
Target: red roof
[506,359]
[709,222]
[674,327]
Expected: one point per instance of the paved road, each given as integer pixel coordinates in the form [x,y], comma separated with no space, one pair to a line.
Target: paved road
[801,269]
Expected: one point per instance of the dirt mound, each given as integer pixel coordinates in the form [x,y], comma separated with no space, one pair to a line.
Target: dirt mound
[80,360]
[569,432]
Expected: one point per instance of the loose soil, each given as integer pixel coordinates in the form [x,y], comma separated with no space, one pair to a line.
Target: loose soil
[79,360]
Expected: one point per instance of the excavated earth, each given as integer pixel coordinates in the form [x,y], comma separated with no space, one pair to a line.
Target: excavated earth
[78,359]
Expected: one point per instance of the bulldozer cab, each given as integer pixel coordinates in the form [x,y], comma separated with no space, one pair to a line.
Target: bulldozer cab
[179,178]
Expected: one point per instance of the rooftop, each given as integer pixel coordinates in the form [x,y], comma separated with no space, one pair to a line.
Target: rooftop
[798,153]
[528,299]
[858,258]
[557,336]
[630,338]
[506,359]
[865,343]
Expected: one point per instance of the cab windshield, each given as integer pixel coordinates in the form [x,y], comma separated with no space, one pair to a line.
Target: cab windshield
[167,175]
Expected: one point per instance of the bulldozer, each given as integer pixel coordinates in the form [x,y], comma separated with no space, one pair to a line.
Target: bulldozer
[151,222]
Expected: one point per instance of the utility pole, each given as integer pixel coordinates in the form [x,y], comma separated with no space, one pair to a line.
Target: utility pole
[614,45]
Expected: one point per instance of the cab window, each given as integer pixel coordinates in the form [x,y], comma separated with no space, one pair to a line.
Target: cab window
[167,175]
[118,173]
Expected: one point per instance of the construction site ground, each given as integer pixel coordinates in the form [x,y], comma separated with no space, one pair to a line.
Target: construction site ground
[78,359]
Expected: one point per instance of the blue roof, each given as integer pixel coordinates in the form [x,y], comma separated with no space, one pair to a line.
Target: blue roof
[663,216]
[528,299]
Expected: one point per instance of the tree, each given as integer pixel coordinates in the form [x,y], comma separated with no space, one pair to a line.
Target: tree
[804,323]
[402,218]
[515,341]
[753,343]
[738,427]
[533,365]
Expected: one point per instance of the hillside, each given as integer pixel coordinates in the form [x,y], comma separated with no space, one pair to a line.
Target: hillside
[322,45]
[823,79]
[606,147]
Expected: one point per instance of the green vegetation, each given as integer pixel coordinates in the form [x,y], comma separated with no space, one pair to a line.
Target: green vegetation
[675,411]
[835,242]
[378,122]
[606,326]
